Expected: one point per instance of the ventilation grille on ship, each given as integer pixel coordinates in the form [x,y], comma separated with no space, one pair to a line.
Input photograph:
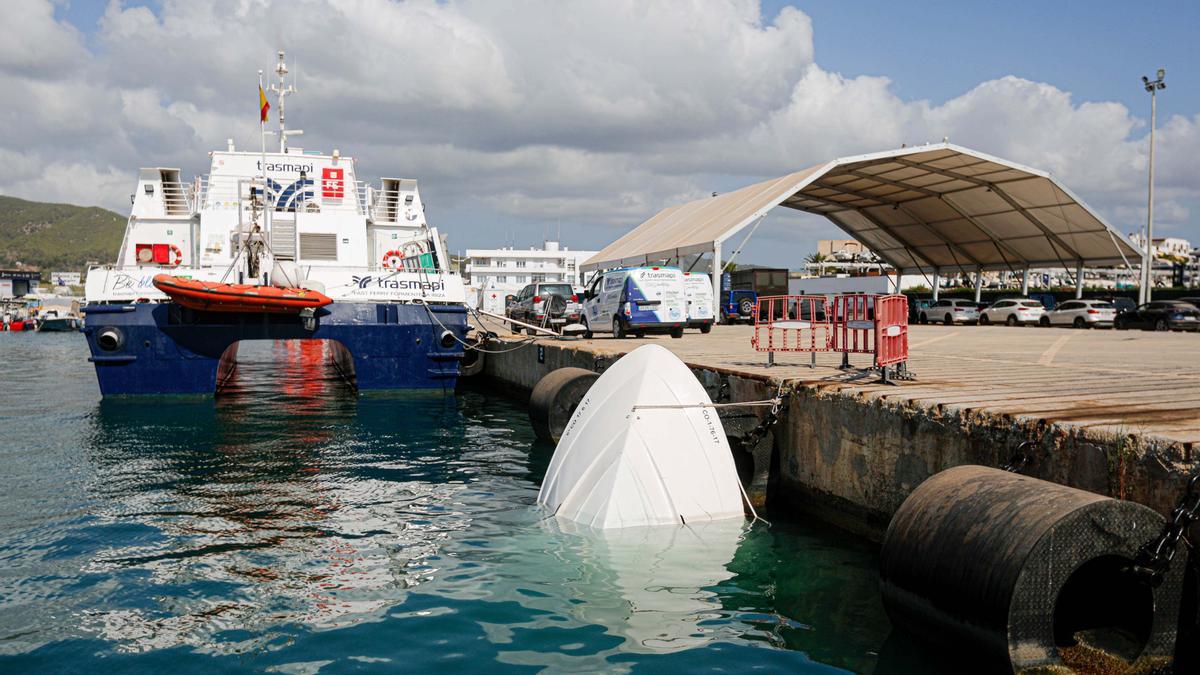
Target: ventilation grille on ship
[318,246]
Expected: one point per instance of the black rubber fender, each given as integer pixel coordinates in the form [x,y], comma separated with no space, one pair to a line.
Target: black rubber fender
[473,359]
[1011,569]
[555,398]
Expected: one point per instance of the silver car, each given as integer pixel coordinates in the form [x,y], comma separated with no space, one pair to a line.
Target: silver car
[1081,314]
[951,311]
[1013,311]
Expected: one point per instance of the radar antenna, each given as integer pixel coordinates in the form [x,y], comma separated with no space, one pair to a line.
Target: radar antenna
[281,90]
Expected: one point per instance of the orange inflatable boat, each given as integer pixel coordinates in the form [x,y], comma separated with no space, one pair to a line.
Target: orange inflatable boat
[214,296]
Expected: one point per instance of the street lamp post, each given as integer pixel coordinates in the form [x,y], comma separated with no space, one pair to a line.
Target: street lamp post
[1151,86]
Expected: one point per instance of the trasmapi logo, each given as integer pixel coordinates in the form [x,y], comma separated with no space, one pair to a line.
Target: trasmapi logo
[391,284]
[656,275]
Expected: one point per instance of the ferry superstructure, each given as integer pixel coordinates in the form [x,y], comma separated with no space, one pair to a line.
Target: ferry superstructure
[295,218]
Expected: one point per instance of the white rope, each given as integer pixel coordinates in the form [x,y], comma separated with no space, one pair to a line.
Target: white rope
[753,513]
[525,343]
[747,404]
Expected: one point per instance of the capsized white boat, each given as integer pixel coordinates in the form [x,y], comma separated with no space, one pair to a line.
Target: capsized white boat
[628,458]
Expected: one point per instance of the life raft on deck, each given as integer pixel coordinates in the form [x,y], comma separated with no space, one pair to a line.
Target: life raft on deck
[215,296]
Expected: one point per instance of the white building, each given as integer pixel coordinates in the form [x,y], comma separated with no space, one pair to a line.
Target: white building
[1165,246]
[509,269]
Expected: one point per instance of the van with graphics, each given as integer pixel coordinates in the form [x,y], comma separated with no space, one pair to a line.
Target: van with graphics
[635,301]
[698,293]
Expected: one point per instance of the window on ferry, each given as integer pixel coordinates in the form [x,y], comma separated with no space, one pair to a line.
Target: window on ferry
[520,263]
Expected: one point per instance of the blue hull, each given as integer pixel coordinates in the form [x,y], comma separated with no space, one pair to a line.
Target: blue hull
[168,349]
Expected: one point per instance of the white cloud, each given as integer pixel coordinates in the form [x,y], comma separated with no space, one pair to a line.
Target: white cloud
[34,43]
[565,111]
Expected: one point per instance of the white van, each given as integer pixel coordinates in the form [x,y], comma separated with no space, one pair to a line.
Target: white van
[697,291]
[635,300]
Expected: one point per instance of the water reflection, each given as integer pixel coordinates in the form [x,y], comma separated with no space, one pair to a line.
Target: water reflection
[282,502]
[651,587]
[289,522]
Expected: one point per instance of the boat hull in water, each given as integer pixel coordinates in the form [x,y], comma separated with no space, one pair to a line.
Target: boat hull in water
[64,324]
[644,447]
[163,348]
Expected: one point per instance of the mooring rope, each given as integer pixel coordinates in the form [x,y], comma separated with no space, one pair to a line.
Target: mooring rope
[524,343]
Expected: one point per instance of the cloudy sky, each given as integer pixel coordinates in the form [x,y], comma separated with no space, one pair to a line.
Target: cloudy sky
[522,118]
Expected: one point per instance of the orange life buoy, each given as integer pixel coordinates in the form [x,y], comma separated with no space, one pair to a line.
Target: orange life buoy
[176,256]
[392,259]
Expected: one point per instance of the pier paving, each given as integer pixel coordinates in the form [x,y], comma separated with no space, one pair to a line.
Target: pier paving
[1116,382]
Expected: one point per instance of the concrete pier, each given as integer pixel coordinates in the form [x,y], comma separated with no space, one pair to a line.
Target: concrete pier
[1113,412]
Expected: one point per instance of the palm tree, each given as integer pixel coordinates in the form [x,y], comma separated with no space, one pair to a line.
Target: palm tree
[819,260]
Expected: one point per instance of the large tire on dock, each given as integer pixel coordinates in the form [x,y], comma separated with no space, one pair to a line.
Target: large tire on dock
[1015,570]
[554,400]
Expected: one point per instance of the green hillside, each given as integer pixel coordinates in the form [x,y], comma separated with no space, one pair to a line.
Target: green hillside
[57,237]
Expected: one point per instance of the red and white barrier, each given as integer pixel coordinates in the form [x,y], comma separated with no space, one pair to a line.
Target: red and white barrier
[849,324]
[791,323]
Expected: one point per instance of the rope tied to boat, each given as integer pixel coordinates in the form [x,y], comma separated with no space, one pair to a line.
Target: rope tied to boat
[750,440]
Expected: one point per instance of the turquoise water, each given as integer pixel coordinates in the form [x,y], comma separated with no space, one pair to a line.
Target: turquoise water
[292,526]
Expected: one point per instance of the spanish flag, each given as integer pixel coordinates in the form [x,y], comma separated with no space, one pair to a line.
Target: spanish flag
[263,106]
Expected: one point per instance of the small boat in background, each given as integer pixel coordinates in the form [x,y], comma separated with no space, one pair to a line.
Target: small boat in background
[215,296]
[50,321]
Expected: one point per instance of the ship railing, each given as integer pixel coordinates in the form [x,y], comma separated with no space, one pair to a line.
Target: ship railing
[388,206]
[225,192]
[362,191]
[178,198]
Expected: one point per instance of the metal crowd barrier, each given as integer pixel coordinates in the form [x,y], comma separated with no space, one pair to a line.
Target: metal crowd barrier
[847,324]
[791,323]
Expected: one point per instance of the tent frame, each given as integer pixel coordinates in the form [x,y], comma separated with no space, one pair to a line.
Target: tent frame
[910,177]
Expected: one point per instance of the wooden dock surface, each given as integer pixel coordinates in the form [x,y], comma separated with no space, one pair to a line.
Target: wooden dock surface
[1120,382]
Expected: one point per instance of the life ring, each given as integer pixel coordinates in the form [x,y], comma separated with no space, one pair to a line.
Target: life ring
[392,259]
[177,256]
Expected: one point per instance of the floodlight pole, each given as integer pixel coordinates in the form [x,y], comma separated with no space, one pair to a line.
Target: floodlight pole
[1151,86]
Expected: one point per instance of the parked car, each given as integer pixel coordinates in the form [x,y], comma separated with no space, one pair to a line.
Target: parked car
[1120,302]
[738,306]
[1047,299]
[545,304]
[1161,315]
[1194,302]
[1081,314]
[951,311]
[637,301]
[1013,311]
[916,306]
[698,293]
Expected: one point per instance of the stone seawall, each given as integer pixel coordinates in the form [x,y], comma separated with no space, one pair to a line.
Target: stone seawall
[852,460]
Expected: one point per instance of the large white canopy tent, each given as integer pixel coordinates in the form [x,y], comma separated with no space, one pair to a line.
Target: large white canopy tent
[921,209]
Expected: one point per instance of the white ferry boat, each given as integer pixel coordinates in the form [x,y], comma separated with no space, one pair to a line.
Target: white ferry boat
[293,218]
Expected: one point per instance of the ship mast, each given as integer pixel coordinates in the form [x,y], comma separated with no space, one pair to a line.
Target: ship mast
[281,90]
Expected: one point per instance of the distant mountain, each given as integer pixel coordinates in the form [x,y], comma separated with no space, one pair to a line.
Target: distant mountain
[57,237]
